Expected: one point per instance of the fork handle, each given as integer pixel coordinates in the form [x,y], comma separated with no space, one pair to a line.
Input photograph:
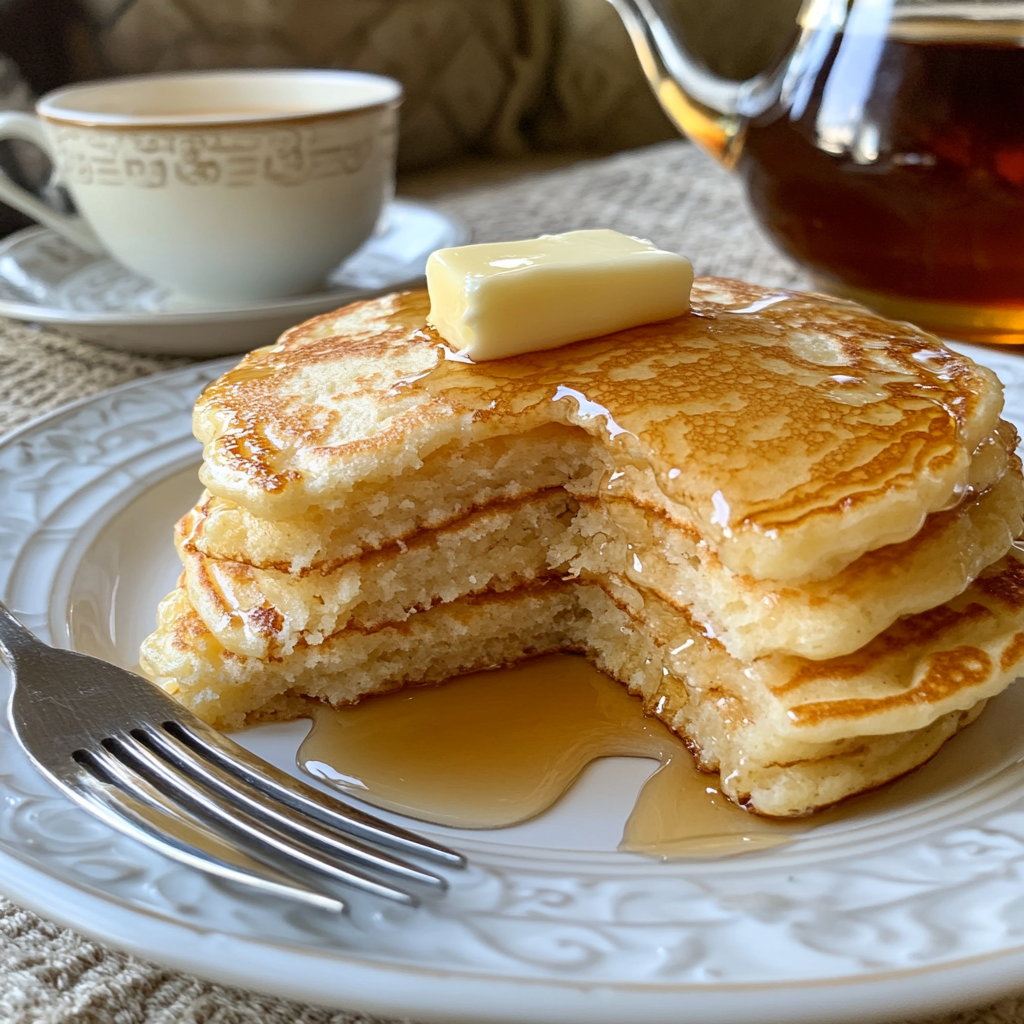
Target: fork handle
[15,638]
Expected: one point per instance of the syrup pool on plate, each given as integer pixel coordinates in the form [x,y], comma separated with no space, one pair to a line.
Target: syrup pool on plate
[492,749]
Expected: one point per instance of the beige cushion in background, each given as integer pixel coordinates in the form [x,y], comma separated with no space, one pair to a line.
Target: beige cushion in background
[470,68]
[597,97]
[492,76]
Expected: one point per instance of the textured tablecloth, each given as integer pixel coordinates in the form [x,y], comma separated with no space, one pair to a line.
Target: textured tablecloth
[669,193]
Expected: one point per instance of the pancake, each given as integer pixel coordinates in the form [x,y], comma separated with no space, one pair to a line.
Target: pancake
[791,432]
[788,735]
[784,521]
[265,612]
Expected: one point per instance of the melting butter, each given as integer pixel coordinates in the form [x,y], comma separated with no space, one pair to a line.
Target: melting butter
[506,298]
[490,749]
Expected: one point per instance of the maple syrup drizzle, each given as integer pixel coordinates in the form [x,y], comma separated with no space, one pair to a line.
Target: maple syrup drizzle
[491,749]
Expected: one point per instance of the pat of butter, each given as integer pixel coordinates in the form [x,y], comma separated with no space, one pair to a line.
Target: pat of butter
[505,298]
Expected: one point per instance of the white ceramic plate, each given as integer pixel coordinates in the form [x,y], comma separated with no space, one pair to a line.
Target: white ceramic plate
[46,279]
[913,907]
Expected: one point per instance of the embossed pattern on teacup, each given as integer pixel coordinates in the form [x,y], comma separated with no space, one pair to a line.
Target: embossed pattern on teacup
[231,157]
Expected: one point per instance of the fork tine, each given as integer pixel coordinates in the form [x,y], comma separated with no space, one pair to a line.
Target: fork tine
[327,809]
[260,841]
[130,805]
[277,815]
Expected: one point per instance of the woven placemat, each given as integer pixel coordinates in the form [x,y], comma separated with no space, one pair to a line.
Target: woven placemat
[669,193]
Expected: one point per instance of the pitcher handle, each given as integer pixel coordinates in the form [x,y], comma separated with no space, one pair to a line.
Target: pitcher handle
[28,128]
[707,108]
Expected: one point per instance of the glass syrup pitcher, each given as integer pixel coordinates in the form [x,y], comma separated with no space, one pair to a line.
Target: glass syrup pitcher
[884,152]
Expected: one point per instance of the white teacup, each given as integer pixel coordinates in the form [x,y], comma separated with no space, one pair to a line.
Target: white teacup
[223,186]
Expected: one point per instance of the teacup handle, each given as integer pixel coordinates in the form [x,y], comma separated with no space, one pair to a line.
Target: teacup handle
[15,125]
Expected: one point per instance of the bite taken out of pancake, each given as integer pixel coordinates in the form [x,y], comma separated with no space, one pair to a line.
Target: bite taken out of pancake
[786,522]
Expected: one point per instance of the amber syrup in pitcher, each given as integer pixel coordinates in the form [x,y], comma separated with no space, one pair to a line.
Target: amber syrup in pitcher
[894,169]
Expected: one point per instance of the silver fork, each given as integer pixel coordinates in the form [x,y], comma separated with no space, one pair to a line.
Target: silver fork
[129,754]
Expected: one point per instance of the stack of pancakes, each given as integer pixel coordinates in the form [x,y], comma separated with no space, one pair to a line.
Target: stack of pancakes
[783,521]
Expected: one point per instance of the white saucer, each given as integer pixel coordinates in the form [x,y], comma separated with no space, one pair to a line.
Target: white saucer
[46,279]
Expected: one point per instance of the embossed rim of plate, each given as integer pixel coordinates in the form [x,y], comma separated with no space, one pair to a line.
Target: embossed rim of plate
[429,992]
